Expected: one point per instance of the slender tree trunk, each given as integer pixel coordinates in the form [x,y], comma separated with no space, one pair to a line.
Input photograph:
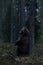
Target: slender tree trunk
[1,18]
[31,27]
[22,14]
[41,18]
[12,19]
[11,40]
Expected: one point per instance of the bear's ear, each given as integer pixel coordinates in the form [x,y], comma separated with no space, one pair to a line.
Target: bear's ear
[24,29]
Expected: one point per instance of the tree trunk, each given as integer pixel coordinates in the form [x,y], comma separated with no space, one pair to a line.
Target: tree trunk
[22,14]
[31,27]
[11,22]
[41,18]
[0,21]
[1,18]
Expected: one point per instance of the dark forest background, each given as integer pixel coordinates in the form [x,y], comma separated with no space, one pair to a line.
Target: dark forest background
[12,18]
[16,14]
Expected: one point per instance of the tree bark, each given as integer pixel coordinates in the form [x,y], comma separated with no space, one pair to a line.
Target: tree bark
[11,22]
[1,18]
[31,27]
[12,18]
[22,14]
[41,18]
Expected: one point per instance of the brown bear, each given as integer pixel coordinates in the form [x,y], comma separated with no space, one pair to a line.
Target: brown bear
[23,42]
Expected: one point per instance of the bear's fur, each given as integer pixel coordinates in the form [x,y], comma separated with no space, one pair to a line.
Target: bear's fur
[23,42]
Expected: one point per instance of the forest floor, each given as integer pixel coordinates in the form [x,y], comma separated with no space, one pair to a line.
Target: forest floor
[8,55]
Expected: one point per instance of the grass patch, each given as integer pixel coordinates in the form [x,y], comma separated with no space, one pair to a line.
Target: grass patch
[6,59]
